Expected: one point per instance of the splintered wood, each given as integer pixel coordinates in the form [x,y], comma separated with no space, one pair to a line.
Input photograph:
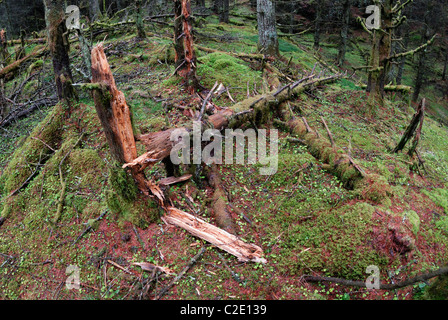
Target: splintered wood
[220,238]
[115,119]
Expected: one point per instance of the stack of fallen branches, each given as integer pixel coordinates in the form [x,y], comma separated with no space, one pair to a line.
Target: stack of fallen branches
[24,109]
[115,118]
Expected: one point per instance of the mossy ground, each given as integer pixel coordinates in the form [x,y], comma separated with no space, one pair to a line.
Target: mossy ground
[303,217]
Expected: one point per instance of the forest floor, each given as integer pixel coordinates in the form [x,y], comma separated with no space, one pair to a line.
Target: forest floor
[304,219]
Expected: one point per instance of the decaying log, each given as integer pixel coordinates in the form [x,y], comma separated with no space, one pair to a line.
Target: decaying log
[417,120]
[216,236]
[159,146]
[8,71]
[115,118]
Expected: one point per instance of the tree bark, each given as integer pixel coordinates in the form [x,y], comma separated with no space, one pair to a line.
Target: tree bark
[267,30]
[94,10]
[59,48]
[344,32]
[317,24]
[141,34]
[410,130]
[183,44]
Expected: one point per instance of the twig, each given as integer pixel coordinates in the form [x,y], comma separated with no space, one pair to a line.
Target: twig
[181,274]
[330,136]
[398,285]
[89,227]
[204,104]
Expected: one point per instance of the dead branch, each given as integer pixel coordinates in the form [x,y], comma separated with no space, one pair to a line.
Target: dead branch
[192,262]
[398,285]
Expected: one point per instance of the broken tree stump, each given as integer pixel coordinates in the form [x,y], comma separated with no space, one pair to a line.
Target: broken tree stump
[114,113]
[115,119]
[417,121]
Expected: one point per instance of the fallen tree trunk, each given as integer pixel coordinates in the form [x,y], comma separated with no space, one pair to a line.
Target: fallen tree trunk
[369,186]
[8,71]
[255,109]
[115,118]
[393,286]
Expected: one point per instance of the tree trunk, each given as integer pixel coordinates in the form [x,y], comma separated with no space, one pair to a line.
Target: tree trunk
[4,54]
[183,44]
[344,31]
[402,60]
[94,10]
[379,58]
[139,20]
[267,31]
[112,109]
[224,11]
[421,64]
[445,66]
[59,47]
[317,24]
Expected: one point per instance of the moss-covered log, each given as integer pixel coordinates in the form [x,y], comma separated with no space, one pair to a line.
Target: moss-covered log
[8,71]
[255,109]
[368,186]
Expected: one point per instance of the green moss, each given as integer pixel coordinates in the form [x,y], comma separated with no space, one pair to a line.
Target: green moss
[338,243]
[228,70]
[35,65]
[437,290]
[374,187]
[439,197]
[122,183]
[33,151]
[413,220]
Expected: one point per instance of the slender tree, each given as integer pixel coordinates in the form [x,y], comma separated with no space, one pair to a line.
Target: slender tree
[59,47]
[267,31]
[319,4]
[346,10]
[141,34]
[183,44]
[381,55]
[94,10]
